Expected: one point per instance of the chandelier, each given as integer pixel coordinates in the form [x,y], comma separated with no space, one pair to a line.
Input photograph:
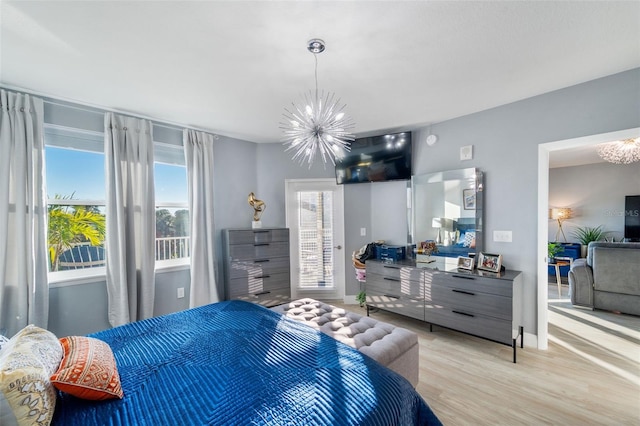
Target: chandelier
[626,151]
[318,123]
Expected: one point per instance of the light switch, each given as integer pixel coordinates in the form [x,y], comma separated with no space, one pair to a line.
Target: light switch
[363,232]
[502,236]
[180,292]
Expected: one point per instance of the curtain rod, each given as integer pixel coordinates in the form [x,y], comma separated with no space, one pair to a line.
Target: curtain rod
[85,106]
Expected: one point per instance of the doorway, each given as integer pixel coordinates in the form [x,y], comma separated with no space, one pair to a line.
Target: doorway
[315,218]
[543,222]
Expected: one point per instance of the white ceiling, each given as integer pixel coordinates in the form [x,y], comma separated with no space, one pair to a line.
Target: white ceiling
[231,67]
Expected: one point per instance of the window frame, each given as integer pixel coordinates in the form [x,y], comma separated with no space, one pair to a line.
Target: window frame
[72,138]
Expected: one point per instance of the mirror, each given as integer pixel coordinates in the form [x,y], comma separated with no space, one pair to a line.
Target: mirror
[447,208]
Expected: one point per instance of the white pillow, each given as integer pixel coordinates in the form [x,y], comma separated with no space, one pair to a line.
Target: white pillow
[27,361]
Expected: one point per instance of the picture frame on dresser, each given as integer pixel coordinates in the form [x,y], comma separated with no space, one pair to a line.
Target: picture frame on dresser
[489,262]
[465,263]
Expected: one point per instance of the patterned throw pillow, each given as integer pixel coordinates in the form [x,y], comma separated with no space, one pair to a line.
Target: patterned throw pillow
[26,362]
[469,239]
[88,369]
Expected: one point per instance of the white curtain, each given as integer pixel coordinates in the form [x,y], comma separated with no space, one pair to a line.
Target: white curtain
[24,290]
[198,152]
[131,218]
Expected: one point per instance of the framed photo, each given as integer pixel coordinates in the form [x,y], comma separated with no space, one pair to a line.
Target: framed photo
[489,262]
[469,199]
[465,263]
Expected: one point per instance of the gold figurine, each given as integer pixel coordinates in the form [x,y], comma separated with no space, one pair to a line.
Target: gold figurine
[258,206]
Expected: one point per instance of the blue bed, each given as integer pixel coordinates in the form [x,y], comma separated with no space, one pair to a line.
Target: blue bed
[237,363]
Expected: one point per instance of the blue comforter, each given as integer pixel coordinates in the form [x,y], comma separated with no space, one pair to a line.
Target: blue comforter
[237,363]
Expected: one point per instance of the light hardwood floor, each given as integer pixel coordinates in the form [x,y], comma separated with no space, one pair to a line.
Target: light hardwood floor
[590,375]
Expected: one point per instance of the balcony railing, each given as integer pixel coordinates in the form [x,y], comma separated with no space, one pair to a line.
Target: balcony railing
[84,255]
[172,248]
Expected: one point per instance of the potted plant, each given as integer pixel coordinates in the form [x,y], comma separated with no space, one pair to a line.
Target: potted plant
[586,234]
[552,250]
[361,298]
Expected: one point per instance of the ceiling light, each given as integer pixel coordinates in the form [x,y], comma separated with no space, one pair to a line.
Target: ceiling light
[626,151]
[318,124]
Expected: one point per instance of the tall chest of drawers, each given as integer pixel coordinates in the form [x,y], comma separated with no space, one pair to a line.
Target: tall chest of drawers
[483,304]
[256,265]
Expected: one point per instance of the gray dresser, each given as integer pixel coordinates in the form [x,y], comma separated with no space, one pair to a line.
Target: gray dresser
[256,265]
[483,304]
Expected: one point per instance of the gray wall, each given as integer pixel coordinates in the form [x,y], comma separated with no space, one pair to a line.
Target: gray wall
[82,309]
[595,193]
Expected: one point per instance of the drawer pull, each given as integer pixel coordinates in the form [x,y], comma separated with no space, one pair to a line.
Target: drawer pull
[391,296]
[463,313]
[261,232]
[263,276]
[464,277]
[391,267]
[261,293]
[260,244]
[392,279]
[261,260]
[464,292]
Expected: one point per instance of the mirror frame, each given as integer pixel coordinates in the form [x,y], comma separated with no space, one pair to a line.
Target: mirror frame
[471,174]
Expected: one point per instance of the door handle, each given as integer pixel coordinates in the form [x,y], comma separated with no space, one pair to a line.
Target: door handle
[339,247]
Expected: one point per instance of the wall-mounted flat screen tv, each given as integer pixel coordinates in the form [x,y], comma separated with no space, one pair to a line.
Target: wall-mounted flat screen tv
[376,159]
[632,218]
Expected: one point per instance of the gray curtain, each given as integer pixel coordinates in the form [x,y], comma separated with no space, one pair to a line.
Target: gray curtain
[198,151]
[24,290]
[131,218]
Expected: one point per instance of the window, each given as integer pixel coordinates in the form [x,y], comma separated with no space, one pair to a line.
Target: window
[172,213]
[76,193]
[76,198]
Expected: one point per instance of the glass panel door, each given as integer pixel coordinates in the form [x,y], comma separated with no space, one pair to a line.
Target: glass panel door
[315,219]
[315,243]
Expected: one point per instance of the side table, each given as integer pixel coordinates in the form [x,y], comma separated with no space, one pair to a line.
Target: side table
[560,262]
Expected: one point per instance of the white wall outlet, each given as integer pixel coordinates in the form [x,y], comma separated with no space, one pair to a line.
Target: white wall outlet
[466,153]
[180,292]
[502,236]
[363,232]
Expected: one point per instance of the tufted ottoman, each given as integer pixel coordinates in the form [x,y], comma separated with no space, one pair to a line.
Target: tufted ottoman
[393,347]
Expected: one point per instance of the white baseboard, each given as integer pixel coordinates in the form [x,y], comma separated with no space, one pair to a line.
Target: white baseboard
[530,340]
[350,300]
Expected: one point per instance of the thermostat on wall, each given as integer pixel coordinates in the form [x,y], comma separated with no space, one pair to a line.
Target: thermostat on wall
[431,140]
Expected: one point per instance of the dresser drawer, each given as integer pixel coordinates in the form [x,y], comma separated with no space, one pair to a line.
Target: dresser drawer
[394,286]
[391,270]
[479,325]
[472,301]
[267,298]
[402,305]
[256,267]
[470,283]
[258,284]
[258,251]
[257,236]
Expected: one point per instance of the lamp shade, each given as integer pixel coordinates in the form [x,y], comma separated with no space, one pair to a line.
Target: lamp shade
[560,213]
[443,222]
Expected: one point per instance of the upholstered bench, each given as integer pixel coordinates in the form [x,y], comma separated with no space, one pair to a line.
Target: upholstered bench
[393,347]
